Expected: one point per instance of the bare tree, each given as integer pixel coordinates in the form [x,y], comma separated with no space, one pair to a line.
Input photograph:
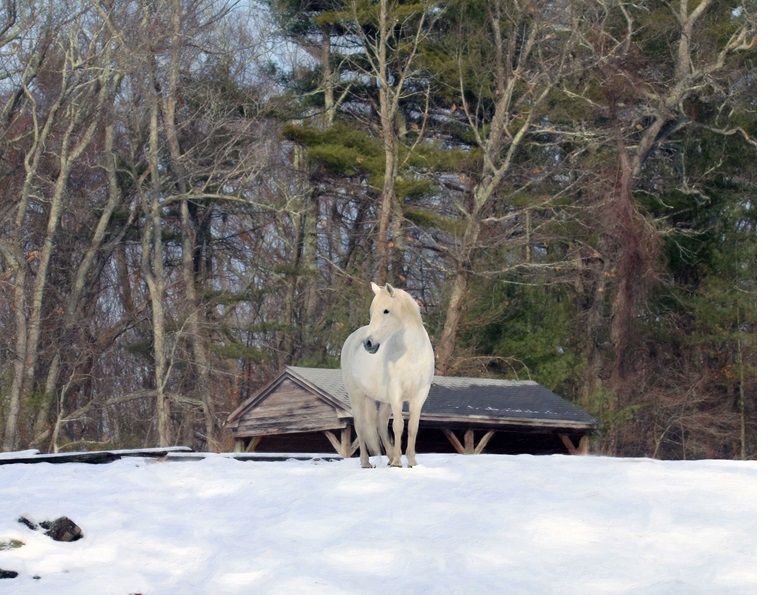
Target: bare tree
[646,105]
[391,39]
[85,87]
[531,50]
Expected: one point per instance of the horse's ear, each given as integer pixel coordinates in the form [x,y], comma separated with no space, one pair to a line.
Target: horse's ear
[390,289]
[375,288]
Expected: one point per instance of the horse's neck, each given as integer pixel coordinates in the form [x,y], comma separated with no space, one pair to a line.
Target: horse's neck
[411,313]
[413,326]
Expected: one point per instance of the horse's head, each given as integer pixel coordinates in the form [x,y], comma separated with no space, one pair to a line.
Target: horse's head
[391,309]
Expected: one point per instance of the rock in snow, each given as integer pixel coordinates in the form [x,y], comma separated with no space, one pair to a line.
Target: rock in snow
[62,529]
[10,544]
[28,523]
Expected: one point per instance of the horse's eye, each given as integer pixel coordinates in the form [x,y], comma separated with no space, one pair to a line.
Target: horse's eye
[386,311]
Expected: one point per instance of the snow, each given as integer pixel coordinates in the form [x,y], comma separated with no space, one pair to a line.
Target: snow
[34,454]
[454,524]
[19,454]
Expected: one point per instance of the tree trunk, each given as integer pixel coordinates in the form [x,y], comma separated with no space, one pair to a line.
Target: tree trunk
[387,198]
[287,344]
[125,290]
[81,275]
[388,105]
[328,80]
[78,112]
[446,345]
[200,352]
[741,400]
[310,305]
[388,195]
[10,436]
[498,149]
[15,252]
[154,277]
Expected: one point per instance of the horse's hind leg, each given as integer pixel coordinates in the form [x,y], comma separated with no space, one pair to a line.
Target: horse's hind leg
[370,426]
[383,418]
[361,412]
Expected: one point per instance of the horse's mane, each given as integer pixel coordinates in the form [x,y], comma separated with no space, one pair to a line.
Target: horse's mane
[412,307]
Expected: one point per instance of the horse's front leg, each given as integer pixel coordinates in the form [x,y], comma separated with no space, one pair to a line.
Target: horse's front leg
[383,417]
[398,430]
[415,409]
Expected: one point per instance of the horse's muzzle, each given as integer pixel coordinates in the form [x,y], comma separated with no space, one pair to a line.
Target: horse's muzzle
[370,346]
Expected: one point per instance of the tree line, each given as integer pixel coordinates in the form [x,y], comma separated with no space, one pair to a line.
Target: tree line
[198,192]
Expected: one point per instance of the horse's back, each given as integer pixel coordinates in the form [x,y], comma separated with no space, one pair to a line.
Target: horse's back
[349,346]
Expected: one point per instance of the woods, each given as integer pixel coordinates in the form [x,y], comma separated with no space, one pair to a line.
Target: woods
[198,192]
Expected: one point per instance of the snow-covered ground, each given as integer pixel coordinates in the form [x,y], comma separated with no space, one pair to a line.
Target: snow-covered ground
[454,524]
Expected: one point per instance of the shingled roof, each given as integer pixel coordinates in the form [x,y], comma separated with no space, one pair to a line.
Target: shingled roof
[483,400]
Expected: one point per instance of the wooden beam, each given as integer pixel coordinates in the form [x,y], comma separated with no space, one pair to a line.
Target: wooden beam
[345,442]
[239,444]
[253,443]
[583,445]
[483,442]
[285,426]
[335,443]
[453,440]
[536,424]
[354,446]
[568,444]
[468,442]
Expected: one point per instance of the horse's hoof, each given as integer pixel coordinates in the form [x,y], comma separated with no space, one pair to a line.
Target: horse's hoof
[398,464]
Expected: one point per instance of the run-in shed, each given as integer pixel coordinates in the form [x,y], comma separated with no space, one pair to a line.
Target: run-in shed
[306,409]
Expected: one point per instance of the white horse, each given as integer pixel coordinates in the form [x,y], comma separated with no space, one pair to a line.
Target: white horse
[388,361]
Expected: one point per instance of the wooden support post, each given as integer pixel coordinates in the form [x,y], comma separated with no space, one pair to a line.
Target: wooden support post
[335,443]
[345,442]
[468,442]
[580,449]
[483,442]
[583,445]
[253,443]
[238,445]
[454,441]
[354,447]
[568,444]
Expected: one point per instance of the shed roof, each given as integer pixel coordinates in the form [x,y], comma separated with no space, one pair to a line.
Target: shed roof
[486,400]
